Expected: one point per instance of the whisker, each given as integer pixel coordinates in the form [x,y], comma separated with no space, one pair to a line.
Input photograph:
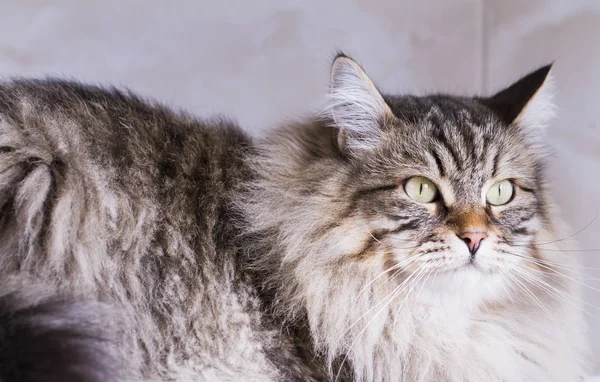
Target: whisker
[392,276]
[566,267]
[572,235]
[535,298]
[566,297]
[509,293]
[393,268]
[396,273]
[397,239]
[558,265]
[513,289]
[557,272]
[563,265]
[541,284]
[433,267]
[398,288]
[569,250]
[371,234]
[395,293]
[404,241]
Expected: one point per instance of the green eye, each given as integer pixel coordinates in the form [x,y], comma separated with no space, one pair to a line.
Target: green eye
[421,189]
[500,193]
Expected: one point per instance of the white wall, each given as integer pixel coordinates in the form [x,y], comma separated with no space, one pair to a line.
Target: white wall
[266,61]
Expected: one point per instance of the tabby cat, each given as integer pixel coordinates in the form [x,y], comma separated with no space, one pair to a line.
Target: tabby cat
[390,238]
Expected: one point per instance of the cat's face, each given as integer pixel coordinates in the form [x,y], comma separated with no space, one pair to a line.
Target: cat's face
[450,189]
[452,195]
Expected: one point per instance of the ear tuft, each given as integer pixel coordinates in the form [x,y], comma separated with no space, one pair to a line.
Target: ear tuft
[529,102]
[357,108]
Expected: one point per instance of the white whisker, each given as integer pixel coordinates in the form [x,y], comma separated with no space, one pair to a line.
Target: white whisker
[533,296]
[393,268]
[396,292]
[563,296]
[557,272]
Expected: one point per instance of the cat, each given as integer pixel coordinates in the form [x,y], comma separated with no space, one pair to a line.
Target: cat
[389,238]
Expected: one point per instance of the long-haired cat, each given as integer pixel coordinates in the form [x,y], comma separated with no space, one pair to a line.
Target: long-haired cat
[391,238]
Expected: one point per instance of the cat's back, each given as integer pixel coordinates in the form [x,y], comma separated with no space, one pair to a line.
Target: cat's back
[113,152]
[112,197]
[140,144]
[115,125]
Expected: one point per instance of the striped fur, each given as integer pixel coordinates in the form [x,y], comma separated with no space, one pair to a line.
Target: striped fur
[195,254]
[344,237]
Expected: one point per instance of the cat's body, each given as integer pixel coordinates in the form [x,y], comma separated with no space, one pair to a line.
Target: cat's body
[136,198]
[217,258]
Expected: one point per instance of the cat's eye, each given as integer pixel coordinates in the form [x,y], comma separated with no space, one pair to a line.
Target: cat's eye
[500,193]
[421,189]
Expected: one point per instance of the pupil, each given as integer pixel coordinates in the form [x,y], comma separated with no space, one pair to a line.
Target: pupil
[420,188]
[499,189]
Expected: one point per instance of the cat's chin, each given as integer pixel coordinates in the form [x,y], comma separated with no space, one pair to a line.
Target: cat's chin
[468,266]
[473,266]
[471,281]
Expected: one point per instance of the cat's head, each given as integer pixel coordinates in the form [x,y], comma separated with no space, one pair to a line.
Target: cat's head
[442,192]
[449,187]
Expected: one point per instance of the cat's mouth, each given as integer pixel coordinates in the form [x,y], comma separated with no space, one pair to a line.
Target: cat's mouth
[475,264]
[468,266]
[472,264]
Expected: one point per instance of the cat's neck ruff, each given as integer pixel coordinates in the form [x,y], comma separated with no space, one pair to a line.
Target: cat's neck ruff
[429,332]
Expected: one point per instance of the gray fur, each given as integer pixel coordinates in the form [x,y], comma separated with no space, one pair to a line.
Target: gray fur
[214,250]
[53,338]
[114,199]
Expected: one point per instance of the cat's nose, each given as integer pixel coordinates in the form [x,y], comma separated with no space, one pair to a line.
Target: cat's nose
[473,240]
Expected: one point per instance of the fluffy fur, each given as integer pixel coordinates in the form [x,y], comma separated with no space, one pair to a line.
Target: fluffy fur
[47,337]
[356,107]
[298,257]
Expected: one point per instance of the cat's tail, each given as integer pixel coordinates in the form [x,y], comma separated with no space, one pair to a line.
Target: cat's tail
[51,338]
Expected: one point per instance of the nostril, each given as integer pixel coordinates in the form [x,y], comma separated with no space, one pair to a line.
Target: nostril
[473,240]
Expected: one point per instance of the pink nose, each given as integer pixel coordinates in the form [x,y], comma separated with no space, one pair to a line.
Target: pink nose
[473,240]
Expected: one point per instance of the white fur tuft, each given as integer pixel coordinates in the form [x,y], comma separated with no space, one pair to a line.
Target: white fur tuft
[541,109]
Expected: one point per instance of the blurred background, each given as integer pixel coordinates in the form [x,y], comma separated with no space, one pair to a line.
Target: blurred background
[264,62]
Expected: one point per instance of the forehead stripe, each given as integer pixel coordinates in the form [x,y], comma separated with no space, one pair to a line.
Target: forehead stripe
[438,162]
[495,164]
[441,137]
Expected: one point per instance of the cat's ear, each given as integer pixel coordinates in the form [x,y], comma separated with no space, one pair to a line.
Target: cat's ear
[529,102]
[356,106]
